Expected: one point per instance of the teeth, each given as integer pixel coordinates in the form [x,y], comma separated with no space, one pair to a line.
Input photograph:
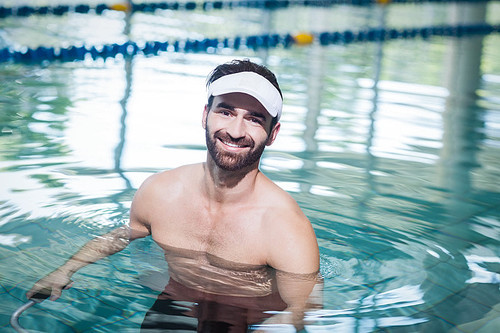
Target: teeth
[232,145]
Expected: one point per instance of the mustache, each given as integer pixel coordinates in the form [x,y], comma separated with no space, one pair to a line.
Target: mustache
[224,136]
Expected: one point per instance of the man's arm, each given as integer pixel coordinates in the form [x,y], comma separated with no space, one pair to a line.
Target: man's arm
[294,254]
[301,292]
[96,249]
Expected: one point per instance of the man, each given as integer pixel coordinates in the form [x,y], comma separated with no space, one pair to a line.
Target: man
[229,233]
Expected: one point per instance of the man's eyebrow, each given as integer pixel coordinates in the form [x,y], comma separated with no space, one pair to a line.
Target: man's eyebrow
[224,105]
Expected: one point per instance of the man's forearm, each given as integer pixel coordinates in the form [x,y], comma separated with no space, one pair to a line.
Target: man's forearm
[98,248]
[301,292]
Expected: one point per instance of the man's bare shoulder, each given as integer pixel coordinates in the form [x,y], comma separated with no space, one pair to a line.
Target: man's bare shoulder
[161,189]
[173,181]
[281,202]
[290,238]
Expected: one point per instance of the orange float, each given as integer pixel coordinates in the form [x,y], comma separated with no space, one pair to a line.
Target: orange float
[303,39]
[121,7]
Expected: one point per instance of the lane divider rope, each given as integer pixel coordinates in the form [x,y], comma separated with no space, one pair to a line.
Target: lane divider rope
[212,45]
[26,10]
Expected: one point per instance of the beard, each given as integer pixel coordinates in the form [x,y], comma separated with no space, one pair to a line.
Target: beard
[229,161]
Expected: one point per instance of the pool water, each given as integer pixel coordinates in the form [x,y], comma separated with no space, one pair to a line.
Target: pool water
[391,149]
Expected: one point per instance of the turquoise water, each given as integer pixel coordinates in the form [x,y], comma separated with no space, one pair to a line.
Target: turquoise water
[391,149]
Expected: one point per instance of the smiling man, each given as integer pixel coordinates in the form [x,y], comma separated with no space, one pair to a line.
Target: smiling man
[232,238]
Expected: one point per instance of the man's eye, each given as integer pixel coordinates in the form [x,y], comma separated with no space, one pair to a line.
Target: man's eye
[256,120]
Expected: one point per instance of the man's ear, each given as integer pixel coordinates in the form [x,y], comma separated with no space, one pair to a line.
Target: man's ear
[204,118]
[273,134]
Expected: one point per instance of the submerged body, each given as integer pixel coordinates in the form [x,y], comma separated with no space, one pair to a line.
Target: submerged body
[186,309]
[211,274]
[207,293]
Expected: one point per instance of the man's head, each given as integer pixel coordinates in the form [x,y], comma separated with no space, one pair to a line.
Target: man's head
[267,91]
[242,113]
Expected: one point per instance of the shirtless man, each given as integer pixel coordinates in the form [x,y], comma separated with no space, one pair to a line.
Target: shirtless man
[225,210]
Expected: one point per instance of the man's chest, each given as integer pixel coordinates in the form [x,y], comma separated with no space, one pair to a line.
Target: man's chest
[231,234]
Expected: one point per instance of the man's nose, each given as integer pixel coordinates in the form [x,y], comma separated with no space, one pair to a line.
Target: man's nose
[236,128]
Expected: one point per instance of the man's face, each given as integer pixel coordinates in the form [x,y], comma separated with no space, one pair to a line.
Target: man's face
[237,129]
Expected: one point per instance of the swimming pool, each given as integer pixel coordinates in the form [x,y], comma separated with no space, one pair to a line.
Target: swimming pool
[384,145]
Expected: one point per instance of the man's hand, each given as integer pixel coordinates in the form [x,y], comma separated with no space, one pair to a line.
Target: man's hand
[51,285]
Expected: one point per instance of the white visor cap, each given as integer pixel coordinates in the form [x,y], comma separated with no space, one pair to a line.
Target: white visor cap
[252,84]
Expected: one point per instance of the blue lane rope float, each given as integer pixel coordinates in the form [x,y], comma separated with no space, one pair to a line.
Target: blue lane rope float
[256,42]
[26,10]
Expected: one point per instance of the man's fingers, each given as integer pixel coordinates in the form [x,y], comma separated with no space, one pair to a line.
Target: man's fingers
[34,290]
[56,293]
[40,293]
[29,294]
[69,285]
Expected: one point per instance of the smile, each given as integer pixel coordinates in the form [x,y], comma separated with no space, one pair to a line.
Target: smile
[233,145]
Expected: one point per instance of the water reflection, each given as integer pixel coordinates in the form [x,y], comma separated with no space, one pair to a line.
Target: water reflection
[128,68]
[454,236]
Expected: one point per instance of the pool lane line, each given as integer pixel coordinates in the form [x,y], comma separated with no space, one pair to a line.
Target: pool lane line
[44,54]
[59,10]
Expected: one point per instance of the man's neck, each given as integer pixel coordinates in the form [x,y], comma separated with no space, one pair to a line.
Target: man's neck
[224,186]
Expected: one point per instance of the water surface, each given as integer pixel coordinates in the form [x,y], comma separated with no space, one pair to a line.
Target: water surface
[391,149]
